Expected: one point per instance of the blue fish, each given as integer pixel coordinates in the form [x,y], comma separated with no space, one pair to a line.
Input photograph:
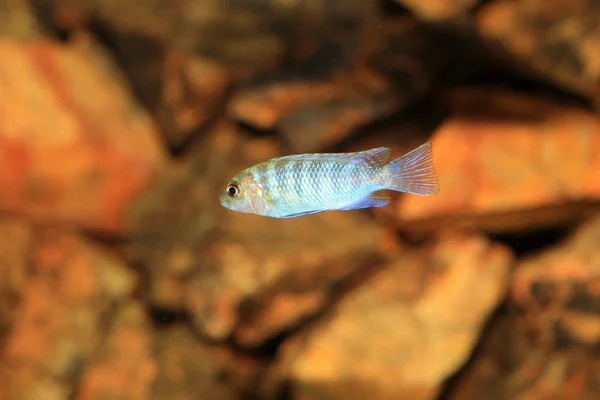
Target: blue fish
[295,185]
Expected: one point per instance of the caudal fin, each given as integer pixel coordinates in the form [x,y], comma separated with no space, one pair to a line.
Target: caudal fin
[414,172]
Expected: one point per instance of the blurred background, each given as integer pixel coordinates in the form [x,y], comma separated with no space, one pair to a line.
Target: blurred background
[122,277]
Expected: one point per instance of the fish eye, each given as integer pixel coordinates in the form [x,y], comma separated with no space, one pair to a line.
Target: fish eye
[233,190]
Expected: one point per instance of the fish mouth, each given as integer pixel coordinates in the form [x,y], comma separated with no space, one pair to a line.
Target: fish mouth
[222,201]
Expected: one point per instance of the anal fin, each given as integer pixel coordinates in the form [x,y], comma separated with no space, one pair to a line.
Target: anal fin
[369,201]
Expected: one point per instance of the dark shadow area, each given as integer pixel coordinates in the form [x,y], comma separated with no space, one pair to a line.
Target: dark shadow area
[529,241]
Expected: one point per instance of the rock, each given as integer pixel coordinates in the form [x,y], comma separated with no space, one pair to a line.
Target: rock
[18,21]
[189,369]
[321,104]
[70,292]
[193,95]
[223,267]
[511,366]
[557,39]
[507,161]
[123,366]
[182,57]
[557,291]
[315,114]
[107,146]
[544,345]
[406,330]
[436,10]
[14,250]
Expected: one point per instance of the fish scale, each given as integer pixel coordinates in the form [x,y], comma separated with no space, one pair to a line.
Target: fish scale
[296,185]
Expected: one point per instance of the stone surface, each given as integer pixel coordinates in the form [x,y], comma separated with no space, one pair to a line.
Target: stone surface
[194,93]
[435,10]
[122,366]
[182,56]
[408,328]
[238,274]
[558,291]
[544,344]
[511,366]
[15,241]
[17,20]
[507,161]
[71,289]
[190,369]
[556,39]
[58,105]
[319,112]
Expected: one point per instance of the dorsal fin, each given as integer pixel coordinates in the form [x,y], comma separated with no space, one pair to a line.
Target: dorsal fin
[373,158]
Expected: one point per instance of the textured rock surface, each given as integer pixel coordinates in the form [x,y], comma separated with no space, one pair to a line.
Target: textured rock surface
[557,39]
[317,112]
[190,369]
[558,291]
[122,277]
[434,10]
[73,144]
[510,160]
[509,366]
[14,247]
[242,274]
[17,20]
[70,291]
[419,318]
[122,365]
[543,345]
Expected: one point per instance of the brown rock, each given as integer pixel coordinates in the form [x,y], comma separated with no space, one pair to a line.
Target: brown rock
[506,161]
[182,56]
[318,105]
[556,39]
[69,294]
[403,332]
[122,367]
[193,94]
[106,145]
[18,21]
[545,346]
[509,366]
[238,274]
[558,291]
[434,10]
[315,114]
[15,238]
[189,369]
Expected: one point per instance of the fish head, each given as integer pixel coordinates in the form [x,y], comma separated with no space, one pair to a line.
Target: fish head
[241,195]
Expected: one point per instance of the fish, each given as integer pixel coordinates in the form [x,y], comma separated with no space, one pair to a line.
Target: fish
[302,184]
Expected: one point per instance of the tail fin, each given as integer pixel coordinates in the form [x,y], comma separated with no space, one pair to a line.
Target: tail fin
[414,172]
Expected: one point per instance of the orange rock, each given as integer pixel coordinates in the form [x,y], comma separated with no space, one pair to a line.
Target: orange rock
[316,114]
[567,55]
[123,366]
[74,147]
[69,294]
[509,365]
[501,157]
[558,291]
[392,340]
[14,249]
[191,369]
[433,10]
[18,20]
[240,275]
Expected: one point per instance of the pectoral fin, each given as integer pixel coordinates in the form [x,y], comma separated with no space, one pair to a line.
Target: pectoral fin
[301,214]
[370,201]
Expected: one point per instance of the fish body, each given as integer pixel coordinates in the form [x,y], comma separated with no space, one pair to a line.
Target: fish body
[296,185]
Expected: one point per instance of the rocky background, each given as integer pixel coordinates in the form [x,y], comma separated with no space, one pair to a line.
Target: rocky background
[122,277]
